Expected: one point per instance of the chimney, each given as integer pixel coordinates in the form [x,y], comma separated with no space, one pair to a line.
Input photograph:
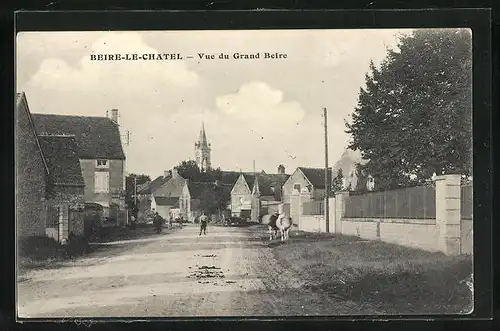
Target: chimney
[166,173]
[175,174]
[281,169]
[114,115]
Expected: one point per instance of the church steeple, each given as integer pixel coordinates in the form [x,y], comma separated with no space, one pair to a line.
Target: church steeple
[203,136]
[202,150]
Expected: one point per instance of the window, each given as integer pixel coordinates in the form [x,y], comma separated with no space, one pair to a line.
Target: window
[102,164]
[101,182]
[296,187]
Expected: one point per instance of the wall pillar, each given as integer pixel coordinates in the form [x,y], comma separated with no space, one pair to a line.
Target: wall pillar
[331,206]
[295,207]
[448,213]
[304,196]
[340,198]
[63,223]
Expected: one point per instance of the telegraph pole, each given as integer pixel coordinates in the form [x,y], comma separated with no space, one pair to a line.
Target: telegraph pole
[327,181]
[135,191]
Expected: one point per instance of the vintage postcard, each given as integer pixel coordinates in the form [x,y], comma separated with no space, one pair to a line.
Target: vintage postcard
[244,173]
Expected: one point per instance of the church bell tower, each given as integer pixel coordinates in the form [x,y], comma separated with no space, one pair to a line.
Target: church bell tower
[202,150]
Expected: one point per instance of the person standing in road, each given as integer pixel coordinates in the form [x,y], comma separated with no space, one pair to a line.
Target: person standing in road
[158,222]
[203,223]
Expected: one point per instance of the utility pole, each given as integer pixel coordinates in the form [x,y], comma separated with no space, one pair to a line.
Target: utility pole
[135,192]
[327,181]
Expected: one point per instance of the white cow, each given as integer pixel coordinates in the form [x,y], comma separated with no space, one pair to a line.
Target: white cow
[284,223]
[278,222]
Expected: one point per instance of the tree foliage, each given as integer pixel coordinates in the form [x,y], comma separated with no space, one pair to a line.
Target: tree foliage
[337,182]
[190,170]
[212,199]
[413,118]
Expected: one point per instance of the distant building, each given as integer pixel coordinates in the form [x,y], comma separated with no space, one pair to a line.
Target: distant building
[145,194]
[262,192]
[311,179]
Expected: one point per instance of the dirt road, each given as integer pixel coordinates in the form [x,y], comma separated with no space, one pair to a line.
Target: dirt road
[228,272]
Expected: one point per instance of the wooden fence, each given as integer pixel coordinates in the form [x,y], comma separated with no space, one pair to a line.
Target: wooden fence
[411,202]
[314,207]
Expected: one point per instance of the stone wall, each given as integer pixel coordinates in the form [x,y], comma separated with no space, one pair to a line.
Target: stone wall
[30,176]
[446,233]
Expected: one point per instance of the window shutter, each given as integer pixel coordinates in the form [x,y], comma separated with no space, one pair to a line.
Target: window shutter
[106,181]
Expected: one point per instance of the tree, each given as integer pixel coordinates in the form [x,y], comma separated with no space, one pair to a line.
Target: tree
[212,199]
[209,201]
[188,170]
[413,118]
[130,187]
[338,181]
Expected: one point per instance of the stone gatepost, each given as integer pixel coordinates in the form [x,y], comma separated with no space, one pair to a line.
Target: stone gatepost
[295,207]
[340,198]
[448,213]
[305,196]
[331,206]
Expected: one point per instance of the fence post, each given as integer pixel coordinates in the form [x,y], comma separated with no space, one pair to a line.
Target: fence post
[340,198]
[448,213]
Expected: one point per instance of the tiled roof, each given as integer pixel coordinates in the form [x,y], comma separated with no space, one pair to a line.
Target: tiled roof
[196,189]
[250,179]
[97,137]
[167,201]
[152,186]
[316,176]
[61,154]
[20,102]
[230,177]
[269,181]
[172,188]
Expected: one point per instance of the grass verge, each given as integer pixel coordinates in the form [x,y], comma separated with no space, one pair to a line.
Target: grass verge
[390,278]
[46,253]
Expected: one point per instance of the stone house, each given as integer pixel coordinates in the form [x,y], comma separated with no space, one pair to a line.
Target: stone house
[145,194]
[65,188]
[163,194]
[101,158]
[49,182]
[172,187]
[164,206]
[241,195]
[257,192]
[312,179]
[31,174]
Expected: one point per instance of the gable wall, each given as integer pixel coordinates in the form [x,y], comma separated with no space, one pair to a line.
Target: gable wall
[30,179]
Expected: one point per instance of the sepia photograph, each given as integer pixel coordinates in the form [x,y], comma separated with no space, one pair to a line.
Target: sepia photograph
[239,173]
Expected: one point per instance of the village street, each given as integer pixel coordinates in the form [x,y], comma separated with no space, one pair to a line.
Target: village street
[230,271]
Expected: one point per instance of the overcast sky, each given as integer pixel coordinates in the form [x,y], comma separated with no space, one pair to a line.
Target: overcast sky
[263,110]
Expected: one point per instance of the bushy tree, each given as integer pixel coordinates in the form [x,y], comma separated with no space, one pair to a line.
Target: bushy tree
[212,199]
[189,170]
[337,182]
[413,118]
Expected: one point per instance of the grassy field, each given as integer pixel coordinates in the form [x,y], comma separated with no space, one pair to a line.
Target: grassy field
[388,278]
